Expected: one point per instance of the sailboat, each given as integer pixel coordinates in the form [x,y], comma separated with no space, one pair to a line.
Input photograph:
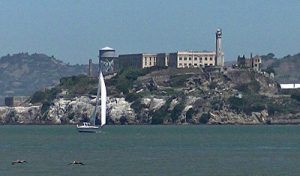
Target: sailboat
[91,127]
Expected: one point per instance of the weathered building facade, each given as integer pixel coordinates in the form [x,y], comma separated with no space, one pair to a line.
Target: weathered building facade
[252,62]
[191,59]
[141,60]
[179,59]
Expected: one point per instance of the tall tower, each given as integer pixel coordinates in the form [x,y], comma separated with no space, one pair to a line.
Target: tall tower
[106,59]
[219,60]
[90,71]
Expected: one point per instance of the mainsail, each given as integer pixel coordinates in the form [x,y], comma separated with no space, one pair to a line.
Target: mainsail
[93,117]
[101,89]
[103,100]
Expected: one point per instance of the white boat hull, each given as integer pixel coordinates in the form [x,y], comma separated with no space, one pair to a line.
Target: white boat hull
[87,129]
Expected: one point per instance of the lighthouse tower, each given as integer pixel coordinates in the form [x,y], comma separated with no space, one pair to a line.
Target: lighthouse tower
[219,60]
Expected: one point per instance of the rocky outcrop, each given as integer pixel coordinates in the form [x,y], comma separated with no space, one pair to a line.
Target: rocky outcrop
[200,97]
[20,115]
[229,117]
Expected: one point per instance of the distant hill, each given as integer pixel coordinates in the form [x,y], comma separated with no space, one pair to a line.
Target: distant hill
[24,74]
[286,69]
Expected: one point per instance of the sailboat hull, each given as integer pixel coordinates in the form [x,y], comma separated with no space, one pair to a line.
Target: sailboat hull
[87,129]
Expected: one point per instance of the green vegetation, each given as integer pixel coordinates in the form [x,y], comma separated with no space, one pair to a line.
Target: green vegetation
[256,103]
[176,112]
[126,78]
[45,96]
[78,85]
[130,97]
[178,80]
[250,88]
[162,114]
[270,70]
[296,96]
[189,114]
[204,119]
[247,104]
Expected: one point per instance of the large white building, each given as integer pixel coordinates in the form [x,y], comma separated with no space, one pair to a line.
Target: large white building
[179,59]
[191,59]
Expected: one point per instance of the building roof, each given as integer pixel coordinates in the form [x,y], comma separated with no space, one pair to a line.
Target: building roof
[107,48]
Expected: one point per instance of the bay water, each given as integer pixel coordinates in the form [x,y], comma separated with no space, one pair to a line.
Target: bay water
[151,150]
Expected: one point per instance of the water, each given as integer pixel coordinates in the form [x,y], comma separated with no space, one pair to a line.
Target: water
[151,150]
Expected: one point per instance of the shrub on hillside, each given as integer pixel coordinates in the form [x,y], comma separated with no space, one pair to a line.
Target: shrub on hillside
[189,114]
[204,119]
[176,112]
[252,87]
[296,96]
[38,96]
[130,97]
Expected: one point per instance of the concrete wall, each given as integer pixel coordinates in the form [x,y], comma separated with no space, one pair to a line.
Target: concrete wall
[191,59]
[290,86]
[130,60]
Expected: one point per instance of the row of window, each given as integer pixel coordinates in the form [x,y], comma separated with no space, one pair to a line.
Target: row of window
[150,58]
[195,65]
[150,63]
[196,58]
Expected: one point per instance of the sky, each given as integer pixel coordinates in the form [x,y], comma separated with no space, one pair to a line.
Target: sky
[74,30]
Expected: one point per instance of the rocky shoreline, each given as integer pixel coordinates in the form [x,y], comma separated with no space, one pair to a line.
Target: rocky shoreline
[64,112]
[164,96]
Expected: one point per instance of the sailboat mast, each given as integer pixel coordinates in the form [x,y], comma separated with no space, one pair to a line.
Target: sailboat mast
[93,118]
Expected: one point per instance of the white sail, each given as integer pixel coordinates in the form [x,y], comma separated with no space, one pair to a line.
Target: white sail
[93,117]
[103,100]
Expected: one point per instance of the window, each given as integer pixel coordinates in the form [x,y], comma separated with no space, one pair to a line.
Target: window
[180,58]
[180,63]
[210,64]
[200,58]
[190,58]
[195,64]
[196,58]
[185,58]
[190,64]
[210,58]
[205,58]
[184,64]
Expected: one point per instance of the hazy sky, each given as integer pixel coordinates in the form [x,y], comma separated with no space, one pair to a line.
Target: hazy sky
[74,30]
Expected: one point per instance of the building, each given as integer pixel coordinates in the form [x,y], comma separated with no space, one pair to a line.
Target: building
[162,59]
[179,59]
[219,58]
[252,62]
[15,101]
[191,59]
[141,60]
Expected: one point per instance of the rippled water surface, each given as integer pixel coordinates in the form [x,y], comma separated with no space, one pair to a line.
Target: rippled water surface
[151,150]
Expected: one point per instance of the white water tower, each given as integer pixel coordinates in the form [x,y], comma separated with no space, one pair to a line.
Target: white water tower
[106,59]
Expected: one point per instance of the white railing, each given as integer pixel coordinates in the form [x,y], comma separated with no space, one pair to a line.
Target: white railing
[290,86]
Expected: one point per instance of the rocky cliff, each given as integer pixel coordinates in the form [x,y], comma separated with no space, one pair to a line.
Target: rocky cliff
[164,96]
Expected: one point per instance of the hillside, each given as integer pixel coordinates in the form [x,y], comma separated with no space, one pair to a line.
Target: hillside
[286,68]
[164,96]
[23,73]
